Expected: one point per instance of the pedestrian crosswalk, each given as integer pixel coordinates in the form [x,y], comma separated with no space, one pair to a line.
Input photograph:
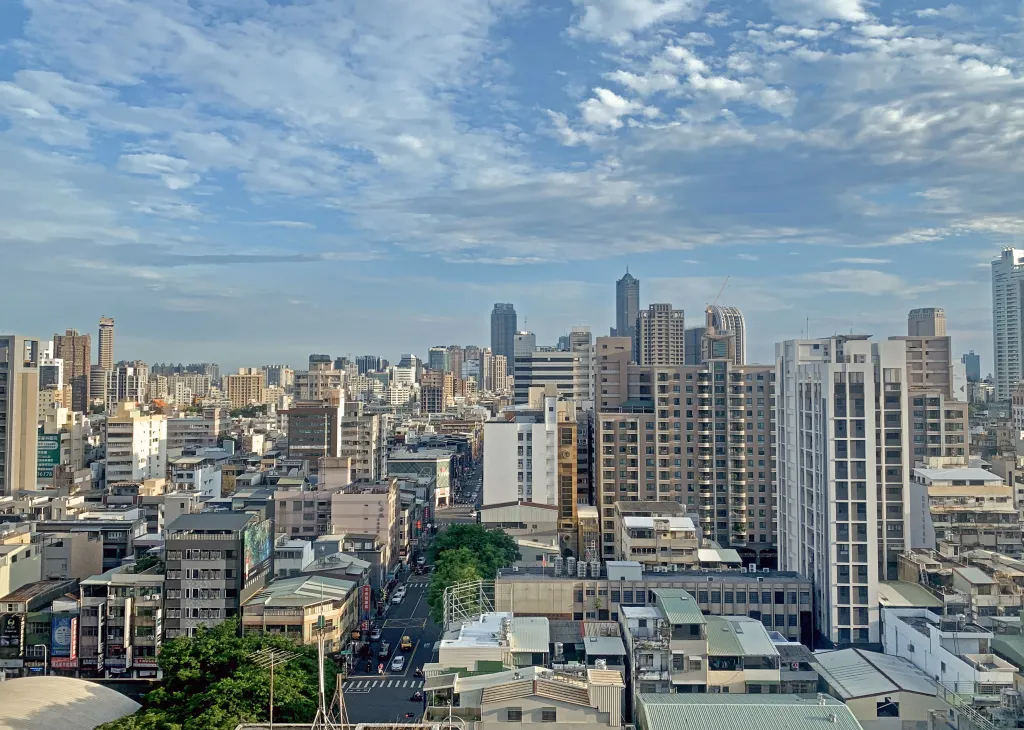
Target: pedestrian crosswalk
[361,686]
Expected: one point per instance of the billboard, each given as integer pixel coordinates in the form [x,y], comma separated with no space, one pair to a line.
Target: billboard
[48,454]
[63,642]
[12,635]
[257,548]
[366,594]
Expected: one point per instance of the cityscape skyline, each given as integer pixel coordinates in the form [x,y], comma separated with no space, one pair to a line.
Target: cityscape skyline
[465,167]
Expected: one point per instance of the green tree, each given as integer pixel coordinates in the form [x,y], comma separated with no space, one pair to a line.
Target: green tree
[211,683]
[495,548]
[453,566]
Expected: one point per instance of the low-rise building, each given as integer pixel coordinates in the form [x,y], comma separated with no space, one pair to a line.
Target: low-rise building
[121,624]
[651,540]
[302,608]
[200,474]
[774,712]
[21,561]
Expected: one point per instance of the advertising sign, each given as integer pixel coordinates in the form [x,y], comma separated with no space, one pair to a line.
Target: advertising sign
[12,635]
[63,662]
[60,637]
[366,595]
[48,454]
[257,546]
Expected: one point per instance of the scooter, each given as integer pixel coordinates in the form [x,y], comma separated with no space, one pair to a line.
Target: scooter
[418,673]
[416,697]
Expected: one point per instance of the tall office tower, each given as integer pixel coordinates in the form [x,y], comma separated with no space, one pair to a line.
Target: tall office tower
[106,354]
[485,375]
[525,343]
[660,336]
[76,352]
[701,435]
[730,320]
[456,359]
[503,333]
[19,413]
[127,381]
[98,384]
[627,307]
[246,388]
[437,359]
[314,432]
[568,372]
[851,427]
[367,364]
[1007,327]
[51,372]
[341,362]
[136,444]
[926,322]
[694,341]
[563,343]
[972,366]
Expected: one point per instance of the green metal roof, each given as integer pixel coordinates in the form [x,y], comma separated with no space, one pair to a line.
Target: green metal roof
[742,712]
[679,606]
[1010,647]
[722,639]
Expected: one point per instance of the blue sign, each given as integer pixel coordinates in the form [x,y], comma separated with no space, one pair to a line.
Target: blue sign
[61,632]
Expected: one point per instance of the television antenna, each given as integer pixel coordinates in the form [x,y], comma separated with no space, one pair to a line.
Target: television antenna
[327,717]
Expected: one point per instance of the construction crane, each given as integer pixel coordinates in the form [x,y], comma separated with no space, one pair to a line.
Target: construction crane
[717,296]
[708,311]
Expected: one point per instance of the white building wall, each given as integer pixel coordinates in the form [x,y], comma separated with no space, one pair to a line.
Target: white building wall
[539,460]
[1007,335]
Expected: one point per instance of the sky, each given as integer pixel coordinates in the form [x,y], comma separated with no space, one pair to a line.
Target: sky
[250,181]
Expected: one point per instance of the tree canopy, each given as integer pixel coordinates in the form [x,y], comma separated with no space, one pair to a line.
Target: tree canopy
[210,682]
[464,553]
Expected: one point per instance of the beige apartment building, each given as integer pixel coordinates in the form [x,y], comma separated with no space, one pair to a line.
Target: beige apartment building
[301,608]
[660,336]
[19,412]
[246,388]
[656,539]
[700,435]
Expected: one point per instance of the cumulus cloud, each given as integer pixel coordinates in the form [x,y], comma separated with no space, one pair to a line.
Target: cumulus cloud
[618,20]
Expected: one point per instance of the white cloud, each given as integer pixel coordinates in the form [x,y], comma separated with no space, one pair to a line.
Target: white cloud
[607,109]
[618,20]
[861,261]
[814,11]
[867,282]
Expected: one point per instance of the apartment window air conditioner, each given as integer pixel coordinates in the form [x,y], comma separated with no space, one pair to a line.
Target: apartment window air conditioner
[711,579]
[766,570]
[743,569]
[760,579]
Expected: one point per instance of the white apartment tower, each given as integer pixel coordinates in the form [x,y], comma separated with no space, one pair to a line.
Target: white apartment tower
[136,445]
[1007,328]
[844,421]
[660,336]
[520,461]
[730,320]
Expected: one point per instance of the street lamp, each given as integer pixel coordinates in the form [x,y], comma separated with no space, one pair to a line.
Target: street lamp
[268,659]
[45,649]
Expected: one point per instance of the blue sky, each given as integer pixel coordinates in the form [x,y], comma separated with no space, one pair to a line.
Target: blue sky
[250,181]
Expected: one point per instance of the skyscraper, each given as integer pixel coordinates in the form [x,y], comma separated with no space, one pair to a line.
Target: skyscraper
[437,359]
[660,336]
[972,366]
[627,307]
[106,344]
[503,333]
[1007,331]
[730,320]
[19,412]
[76,352]
[926,322]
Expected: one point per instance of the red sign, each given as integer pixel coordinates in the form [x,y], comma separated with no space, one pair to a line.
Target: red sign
[366,596]
[426,513]
[74,639]
[419,525]
[63,662]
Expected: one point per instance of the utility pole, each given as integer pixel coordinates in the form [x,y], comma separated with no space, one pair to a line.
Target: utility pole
[268,659]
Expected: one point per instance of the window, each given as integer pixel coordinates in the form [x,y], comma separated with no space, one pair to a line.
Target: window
[678,662]
[695,664]
[887,708]
[514,714]
[548,714]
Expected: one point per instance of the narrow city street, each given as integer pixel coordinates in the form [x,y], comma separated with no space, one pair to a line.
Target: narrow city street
[371,697]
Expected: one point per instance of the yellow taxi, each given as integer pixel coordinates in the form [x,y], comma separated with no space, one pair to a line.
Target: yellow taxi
[405,644]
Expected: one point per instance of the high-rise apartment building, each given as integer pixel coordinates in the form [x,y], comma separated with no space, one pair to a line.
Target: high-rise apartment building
[660,336]
[215,562]
[314,431]
[456,359]
[136,444]
[694,342]
[926,322]
[126,381]
[76,351]
[246,387]
[972,366]
[503,332]
[280,376]
[106,343]
[437,391]
[364,442]
[19,413]
[729,321]
[627,307]
[700,435]
[853,420]
[1007,325]
[321,383]
[437,359]
[502,376]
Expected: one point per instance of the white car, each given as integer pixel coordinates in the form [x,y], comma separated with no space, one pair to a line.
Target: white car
[397,598]
[398,663]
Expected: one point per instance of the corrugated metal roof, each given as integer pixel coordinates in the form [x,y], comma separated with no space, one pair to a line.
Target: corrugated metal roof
[679,606]
[721,638]
[565,631]
[302,591]
[753,636]
[742,712]
[856,673]
[604,646]
[529,634]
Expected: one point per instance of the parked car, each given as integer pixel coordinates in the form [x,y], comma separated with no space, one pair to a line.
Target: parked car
[398,663]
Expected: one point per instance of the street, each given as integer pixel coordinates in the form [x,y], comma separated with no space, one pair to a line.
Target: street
[370,697]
